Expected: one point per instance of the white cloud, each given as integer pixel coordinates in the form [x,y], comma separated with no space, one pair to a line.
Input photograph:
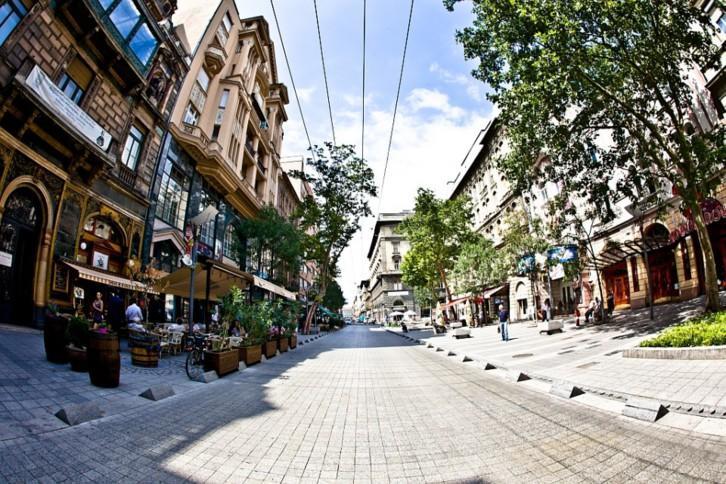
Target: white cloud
[431,139]
[306,93]
[473,88]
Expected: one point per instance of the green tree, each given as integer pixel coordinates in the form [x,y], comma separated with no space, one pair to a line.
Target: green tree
[479,266]
[343,184]
[603,89]
[334,299]
[271,244]
[436,231]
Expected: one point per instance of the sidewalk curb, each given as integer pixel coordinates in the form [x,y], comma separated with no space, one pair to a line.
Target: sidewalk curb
[685,408]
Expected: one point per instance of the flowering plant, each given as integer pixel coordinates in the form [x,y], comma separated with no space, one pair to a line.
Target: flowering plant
[274,332]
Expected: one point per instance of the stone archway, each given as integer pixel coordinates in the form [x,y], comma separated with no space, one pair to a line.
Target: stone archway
[27,212]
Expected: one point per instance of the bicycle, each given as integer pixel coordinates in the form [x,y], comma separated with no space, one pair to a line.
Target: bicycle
[195,358]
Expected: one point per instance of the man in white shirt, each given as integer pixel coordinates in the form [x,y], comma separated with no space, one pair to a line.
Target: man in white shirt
[133,312]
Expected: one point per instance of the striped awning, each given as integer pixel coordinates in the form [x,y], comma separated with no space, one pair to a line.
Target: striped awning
[108,279]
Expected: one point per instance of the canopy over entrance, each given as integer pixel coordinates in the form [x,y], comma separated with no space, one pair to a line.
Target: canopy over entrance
[212,278]
[273,288]
[101,277]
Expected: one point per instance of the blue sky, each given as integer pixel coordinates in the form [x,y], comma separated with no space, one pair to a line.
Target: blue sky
[441,107]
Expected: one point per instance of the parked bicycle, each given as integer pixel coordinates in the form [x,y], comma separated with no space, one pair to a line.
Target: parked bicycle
[196,347]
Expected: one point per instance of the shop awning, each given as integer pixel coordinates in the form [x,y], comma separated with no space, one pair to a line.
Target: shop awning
[273,288]
[108,279]
[454,302]
[221,279]
[490,292]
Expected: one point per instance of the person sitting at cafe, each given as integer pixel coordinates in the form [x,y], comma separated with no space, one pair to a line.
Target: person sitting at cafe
[133,312]
[234,328]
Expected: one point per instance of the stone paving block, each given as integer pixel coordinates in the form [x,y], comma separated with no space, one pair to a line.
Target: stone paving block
[158,392]
[565,389]
[75,414]
[209,376]
[644,409]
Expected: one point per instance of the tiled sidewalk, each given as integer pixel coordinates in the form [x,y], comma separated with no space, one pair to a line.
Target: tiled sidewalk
[591,357]
[32,389]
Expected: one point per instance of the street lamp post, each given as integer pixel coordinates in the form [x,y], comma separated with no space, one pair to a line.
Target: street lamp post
[196,222]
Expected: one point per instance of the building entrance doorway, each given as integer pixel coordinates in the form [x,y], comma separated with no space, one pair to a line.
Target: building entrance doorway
[616,280]
[663,273]
[19,239]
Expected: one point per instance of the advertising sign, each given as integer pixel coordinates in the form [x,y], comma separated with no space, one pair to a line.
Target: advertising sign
[562,253]
[56,101]
[525,264]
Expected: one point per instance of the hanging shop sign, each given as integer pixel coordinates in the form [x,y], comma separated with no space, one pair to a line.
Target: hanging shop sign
[712,209]
[6,259]
[562,253]
[525,265]
[60,104]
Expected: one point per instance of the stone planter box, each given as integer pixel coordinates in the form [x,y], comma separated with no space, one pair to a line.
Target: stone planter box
[54,338]
[223,362]
[78,360]
[292,341]
[551,326]
[250,355]
[690,353]
[270,348]
[282,345]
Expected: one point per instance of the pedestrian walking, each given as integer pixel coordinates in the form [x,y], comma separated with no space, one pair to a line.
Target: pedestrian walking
[611,303]
[503,323]
[133,312]
[97,310]
[546,310]
[115,311]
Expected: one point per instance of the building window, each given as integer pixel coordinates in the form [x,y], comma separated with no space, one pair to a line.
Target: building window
[721,22]
[132,148]
[228,247]
[191,115]
[75,80]
[11,11]
[203,80]
[396,265]
[133,28]
[227,22]
[396,247]
[686,260]
[173,195]
[220,113]
[634,270]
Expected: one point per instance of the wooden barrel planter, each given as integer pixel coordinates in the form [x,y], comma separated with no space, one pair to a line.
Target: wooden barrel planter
[270,348]
[104,359]
[144,349]
[77,357]
[292,341]
[223,362]
[282,344]
[54,338]
[250,355]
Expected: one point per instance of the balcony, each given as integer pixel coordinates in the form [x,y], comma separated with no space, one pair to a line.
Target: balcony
[214,59]
[126,175]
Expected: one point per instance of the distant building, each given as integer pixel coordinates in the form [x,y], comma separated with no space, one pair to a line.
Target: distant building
[387,291]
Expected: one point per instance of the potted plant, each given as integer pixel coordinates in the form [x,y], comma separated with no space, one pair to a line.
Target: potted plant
[54,335]
[77,336]
[279,318]
[220,357]
[250,350]
[104,357]
[290,332]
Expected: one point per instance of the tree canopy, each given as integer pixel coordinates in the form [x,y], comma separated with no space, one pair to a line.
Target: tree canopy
[479,266]
[606,90]
[271,245]
[334,299]
[436,231]
[343,184]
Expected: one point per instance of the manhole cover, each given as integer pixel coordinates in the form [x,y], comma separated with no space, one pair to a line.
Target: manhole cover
[565,352]
[588,365]
[568,347]
[523,355]
[613,353]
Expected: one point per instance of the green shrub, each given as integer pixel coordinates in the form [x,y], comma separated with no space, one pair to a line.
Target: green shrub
[707,330]
[77,331]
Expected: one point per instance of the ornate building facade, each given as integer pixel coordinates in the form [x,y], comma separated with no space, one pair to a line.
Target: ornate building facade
[87,89]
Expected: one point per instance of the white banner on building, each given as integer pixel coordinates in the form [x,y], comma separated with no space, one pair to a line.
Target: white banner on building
[398,293]
[55,100]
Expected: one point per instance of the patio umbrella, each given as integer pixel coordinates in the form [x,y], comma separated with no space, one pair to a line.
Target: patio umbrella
[395,314]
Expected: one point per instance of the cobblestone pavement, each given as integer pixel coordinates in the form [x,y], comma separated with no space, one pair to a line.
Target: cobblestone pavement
[32,389]
[363,405]
[591,356]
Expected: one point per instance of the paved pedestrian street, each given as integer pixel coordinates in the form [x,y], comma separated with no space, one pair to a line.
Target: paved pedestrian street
[363,405]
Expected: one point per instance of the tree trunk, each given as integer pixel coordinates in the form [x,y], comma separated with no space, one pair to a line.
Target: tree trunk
[309,317]
[709,262]
[442,275]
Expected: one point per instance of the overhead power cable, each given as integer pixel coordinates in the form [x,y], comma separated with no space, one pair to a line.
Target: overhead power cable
[292,80]
[363,97]
[325,73]
[395,106]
